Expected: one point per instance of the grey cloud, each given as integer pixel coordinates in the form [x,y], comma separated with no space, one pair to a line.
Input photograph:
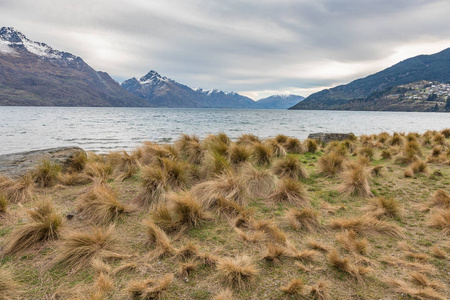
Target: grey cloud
[234,45]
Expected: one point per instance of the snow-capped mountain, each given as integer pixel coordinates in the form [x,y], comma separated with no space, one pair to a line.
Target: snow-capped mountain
[280,101]
[165,92]
[33,73]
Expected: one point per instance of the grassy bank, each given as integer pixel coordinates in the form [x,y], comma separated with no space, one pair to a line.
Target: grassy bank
[365,218]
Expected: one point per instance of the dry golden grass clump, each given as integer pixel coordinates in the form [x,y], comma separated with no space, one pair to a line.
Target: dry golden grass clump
[19,190]
[46,173]
[344,265]
[9,288]
[438,252]
[402,287]
[331,164]
[274,253]
[440,199]
[439,139]
[72,179]
[148,289]
[79,248]
[351,242]
[396,140]
[215,164]
[248,139]
[262,154]
[355,180]
[320,290]
[154,186]
[227,185]
[227,208]
[100,205]
[160,240]
[45,225]
[315,245]
[237,272]
[190,148]
[124,165]
[278,149]
[238,154]
[296,287]
[305,218]
[386,154]
[412,148]
[271,230]
[290,167]
[77,162]
[367,225]
[186,268]
[311,145]
[294,146]
[366,152]
[440,219]
[226,294]
[381,206]
[418,166]
[291,192]
[3,203]
[259,182]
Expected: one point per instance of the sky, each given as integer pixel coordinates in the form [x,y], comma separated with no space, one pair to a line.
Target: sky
[254,47]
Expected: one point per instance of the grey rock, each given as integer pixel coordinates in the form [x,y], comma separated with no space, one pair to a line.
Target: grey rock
[18,164]
[328,137]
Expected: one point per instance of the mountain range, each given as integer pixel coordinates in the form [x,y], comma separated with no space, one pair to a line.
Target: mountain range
[365,93]
[35,74]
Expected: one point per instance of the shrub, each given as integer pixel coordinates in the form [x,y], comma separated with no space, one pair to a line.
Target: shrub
[289,167]
[100,205]
[238,272]
[290,192]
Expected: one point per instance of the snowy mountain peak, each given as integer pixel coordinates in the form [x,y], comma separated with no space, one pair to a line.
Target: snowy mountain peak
[152,77]
[213,92]
[11,41]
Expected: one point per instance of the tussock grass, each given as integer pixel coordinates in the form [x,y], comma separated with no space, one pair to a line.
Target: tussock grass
[402,287]
[440,199]
[78,248]
[187,210]
[295,287]
[9,288]
[3,203]
[186,268]
[45,225]
[98,169]
[262,154]
[355,180]
[366,152]
[290,167]
[367,225]
[148,289]
[77,162]
[274,253]
[46,173]
[351,242]
[154,187]
[259,182]
[278,149]
[271,230]
[124,165]
[291,192]
[320,290]
[237,272]
[294,146]
[305,218]
[311,145]
[381,206]
[331,164]
[227,185]
[100,205]
[343,264]
[303,255]
[160,240]
[386,154]
[317,246]
[440,219]
[438,253]
[238,154]
[251,237]
[248,139]
[215,164]
[72,179]
[226,294]
[189,250]
[228,208]
[19,190]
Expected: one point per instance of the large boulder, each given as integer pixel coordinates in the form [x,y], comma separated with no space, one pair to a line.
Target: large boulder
[18,164]
[328,137]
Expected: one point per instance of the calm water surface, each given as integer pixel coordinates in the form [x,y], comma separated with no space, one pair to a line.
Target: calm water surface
[107,129]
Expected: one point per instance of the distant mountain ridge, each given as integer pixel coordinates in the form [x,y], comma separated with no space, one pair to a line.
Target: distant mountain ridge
[435,67]
[164,92]
[280,101]
[34,74]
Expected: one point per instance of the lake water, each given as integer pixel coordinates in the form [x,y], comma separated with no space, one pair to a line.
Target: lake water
[106,129]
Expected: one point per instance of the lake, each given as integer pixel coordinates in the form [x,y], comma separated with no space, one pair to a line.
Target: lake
[106,129]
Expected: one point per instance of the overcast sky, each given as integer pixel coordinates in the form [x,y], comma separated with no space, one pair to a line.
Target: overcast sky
[256,48]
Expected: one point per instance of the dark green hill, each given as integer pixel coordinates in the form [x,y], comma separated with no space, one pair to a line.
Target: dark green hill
[435,67]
